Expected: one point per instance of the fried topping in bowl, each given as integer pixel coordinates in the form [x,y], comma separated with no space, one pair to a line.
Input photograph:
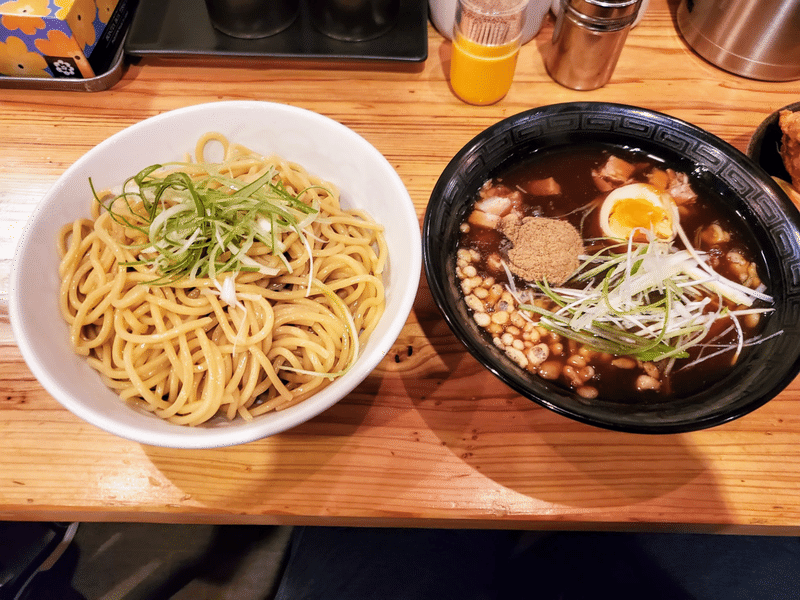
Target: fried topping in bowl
[790,153]
[790,144]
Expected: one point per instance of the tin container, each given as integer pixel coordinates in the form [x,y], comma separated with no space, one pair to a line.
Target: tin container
[587,40]
[757,39]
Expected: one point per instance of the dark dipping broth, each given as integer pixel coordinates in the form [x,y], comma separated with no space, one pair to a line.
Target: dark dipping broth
[608,377]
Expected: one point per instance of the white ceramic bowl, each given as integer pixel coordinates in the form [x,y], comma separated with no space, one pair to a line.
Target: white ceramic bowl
[323,146]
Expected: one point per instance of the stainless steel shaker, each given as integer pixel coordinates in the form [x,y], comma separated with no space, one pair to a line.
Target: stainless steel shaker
[759,39]
[587,40]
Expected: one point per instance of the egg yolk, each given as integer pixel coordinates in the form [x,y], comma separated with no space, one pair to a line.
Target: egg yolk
[637,207]
[631,213]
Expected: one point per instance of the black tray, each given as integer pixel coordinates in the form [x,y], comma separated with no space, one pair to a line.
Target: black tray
[181,28]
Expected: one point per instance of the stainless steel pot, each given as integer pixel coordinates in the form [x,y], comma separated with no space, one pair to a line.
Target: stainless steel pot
[758,39]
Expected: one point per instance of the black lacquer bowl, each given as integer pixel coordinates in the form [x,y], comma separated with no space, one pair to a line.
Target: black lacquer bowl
[765,144]
[716,167]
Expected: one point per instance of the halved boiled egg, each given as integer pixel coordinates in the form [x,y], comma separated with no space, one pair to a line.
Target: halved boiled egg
[637,205]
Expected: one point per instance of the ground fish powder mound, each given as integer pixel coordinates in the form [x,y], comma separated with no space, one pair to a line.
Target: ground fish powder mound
[543,248]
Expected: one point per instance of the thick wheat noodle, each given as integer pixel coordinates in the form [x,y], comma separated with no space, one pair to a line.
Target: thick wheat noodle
[180,350]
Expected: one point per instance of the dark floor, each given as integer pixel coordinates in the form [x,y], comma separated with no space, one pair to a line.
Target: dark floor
[148,561]
[108,561]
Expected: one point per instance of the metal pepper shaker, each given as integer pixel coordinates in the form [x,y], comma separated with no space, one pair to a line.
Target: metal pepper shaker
[587,41]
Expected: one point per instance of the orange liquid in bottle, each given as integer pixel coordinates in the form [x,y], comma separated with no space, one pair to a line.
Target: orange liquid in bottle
[481,74]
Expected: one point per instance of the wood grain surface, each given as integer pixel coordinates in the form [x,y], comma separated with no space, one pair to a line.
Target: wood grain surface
[430,438]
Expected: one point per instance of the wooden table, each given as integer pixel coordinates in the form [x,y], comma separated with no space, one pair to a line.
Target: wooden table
[431,438]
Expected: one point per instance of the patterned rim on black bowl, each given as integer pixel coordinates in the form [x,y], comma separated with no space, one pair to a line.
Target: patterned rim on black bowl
[714,165]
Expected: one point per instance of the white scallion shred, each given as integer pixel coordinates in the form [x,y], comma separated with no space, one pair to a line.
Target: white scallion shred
[205,226]
[650,300]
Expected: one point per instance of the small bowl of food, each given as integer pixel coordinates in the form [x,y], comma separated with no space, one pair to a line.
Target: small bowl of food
[215,274]
[775,147]
[618,266]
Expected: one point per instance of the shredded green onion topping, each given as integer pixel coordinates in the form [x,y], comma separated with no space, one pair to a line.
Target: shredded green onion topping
[651,301]
[204,226]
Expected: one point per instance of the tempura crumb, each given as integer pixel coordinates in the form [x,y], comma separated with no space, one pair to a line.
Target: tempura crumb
[790,145]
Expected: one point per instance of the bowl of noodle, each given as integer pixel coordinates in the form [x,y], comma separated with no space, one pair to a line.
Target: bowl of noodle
[215,274]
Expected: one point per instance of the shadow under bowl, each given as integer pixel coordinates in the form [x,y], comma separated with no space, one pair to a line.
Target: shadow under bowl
[749,195]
